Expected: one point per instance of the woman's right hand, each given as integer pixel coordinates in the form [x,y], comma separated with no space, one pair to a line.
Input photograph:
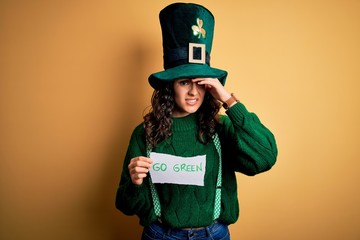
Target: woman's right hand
[138,168]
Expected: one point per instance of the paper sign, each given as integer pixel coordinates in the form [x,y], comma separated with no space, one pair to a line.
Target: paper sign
[167,168]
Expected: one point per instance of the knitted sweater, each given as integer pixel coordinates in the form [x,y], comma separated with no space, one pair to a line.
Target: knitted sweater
[247,147]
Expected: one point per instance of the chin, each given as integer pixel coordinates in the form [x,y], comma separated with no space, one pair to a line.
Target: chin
[192,110]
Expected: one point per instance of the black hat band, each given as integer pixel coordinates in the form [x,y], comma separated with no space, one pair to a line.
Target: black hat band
[180,56]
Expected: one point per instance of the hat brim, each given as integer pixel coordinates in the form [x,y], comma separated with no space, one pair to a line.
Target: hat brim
[156,80]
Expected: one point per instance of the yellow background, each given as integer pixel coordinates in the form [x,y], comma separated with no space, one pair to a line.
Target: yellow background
[73,85]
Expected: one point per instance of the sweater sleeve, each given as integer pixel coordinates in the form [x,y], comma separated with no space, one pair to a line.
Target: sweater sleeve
[130,198]
[247,143]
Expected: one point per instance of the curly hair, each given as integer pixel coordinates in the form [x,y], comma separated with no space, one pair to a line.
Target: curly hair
[158,121]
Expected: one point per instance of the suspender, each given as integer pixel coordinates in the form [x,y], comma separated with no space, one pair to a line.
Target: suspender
[217,203]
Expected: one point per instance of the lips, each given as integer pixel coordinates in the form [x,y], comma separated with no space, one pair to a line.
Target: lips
[191,102]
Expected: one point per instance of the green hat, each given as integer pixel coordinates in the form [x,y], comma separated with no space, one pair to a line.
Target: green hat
[187,33]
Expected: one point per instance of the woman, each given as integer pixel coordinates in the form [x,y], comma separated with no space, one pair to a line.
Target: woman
[184,124]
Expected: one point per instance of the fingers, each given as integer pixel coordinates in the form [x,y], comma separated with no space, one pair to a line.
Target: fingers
[142,162]
[214,86]
[138,168]
[209,82]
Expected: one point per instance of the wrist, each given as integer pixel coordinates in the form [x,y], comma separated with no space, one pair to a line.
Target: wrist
[226,96]
[230,101]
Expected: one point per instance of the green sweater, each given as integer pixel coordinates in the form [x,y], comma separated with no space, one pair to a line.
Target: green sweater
[247,147]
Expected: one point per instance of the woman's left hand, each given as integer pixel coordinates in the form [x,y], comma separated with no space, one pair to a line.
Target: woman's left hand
[214,86]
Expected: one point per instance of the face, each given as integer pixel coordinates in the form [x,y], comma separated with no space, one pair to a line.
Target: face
[188,97]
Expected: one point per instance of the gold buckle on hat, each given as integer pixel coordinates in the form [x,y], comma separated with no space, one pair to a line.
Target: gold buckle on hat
[202,60]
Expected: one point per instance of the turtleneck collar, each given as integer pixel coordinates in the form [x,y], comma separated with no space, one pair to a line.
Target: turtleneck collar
[188,122]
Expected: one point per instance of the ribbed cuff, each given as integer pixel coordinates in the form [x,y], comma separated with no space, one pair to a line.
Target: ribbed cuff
[237,113]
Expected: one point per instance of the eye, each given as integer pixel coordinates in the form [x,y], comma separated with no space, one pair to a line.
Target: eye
[184,82]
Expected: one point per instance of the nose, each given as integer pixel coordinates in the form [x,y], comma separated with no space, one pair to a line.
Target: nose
[194,89]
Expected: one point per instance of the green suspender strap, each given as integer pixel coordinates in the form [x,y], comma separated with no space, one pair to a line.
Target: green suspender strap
[217,203]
